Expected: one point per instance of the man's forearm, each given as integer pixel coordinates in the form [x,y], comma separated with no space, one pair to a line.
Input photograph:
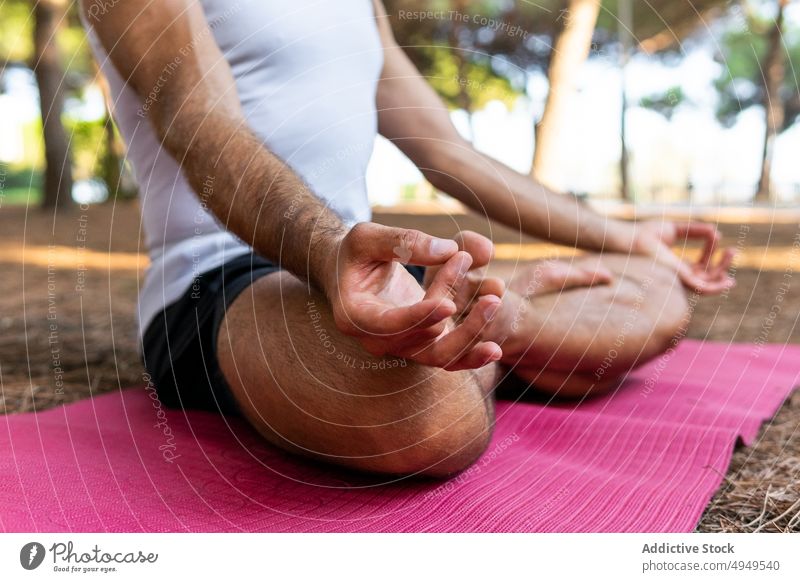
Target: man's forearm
[199,120]
[492,188]
[416,120]
[256,195]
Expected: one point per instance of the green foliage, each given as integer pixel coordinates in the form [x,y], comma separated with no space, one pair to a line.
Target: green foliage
[16,37]
[75,49]
[471,83]
[740,84]
[677,19]
[473,52]
[33,153]
[665,103]
[479,50]
[21,177]
[743,47]
[19,185]
[16,31]
[87,139]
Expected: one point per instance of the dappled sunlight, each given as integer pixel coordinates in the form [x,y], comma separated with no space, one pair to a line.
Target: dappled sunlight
[765,258]
[772,258]
[64,257]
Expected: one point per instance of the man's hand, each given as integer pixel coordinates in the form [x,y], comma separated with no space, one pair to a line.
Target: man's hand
[656,239]
[377,301]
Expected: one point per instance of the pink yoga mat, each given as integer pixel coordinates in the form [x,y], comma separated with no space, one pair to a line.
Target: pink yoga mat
[645,459]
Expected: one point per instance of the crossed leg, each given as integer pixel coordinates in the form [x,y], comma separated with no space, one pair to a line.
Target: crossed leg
[586,339]
[311,390]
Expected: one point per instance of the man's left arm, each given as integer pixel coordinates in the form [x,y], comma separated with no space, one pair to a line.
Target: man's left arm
[414,118]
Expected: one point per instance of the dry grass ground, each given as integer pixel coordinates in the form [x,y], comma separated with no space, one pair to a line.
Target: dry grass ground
[68,330]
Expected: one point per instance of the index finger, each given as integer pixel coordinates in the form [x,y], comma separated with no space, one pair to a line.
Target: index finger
[700,230]
[408,246]
[450,277]
[381,322]
[705,283]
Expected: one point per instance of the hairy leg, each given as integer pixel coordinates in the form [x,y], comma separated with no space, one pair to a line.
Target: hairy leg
[313,391]
[585,340]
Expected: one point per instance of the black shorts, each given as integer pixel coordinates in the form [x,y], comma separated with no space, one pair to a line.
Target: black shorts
[179,346]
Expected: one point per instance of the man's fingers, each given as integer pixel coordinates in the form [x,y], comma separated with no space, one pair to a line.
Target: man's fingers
[704,282]
[717,276]
[419,315]
[475,286]
[701,277]
[381,322]
[700,230]
[479,356]
[448,280]
[694,230]
[478,246]
[408,246]
[403,345]
[719,273]
[456,344]
[716,286]
[693,281]
[491,286]
[725,262]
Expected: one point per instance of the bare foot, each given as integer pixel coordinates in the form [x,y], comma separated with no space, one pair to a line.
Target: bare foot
[510,327]
[551,276]
[514,326]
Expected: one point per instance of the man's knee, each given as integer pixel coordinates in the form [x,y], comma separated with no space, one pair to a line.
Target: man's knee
[395,419]
[443,433]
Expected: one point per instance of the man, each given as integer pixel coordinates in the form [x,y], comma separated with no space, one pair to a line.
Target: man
[271,294]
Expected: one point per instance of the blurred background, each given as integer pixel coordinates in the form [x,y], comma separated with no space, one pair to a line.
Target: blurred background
[660,102]
[671,108]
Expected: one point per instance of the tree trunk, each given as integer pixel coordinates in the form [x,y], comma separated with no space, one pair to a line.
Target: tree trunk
[50,79]
[624,156]
[463,99]
[625,31]
[774,71]
[113,169]
[570,51]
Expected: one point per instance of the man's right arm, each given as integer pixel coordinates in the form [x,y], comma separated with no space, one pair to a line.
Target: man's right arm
[167,44]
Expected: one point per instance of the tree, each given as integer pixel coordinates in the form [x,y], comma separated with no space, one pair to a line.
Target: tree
[113,170]
[774,71]
[571,48]
[479,33]
[48,15]
[470,51]
[658,25]
[754,53]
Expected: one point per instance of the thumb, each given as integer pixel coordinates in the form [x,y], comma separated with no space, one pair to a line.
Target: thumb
[407,246]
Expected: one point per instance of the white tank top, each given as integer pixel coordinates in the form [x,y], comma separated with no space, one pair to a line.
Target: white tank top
[306,72]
